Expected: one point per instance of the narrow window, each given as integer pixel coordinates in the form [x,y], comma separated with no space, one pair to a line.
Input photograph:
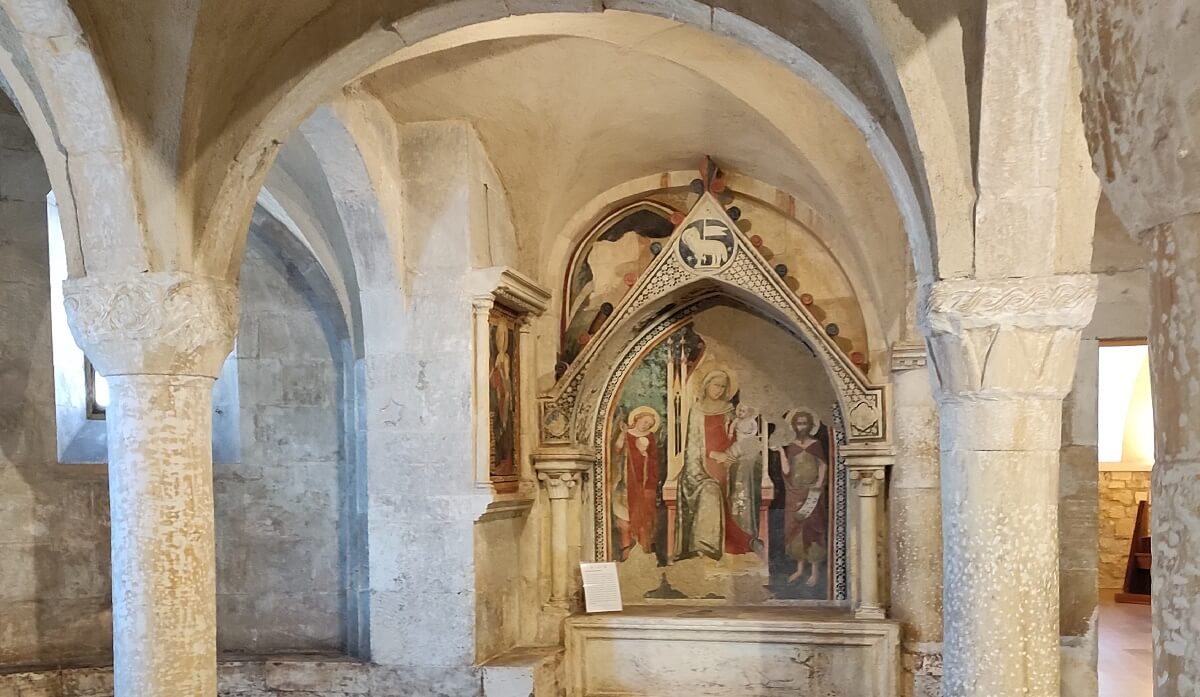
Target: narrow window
[97,392]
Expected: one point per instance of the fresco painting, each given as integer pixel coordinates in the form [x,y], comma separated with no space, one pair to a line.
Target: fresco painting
[720,473]
[503,400]
[607,267]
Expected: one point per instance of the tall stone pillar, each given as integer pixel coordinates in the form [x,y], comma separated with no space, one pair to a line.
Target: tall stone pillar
[1004,355]
[1175,481]
[915,523]
[160,340]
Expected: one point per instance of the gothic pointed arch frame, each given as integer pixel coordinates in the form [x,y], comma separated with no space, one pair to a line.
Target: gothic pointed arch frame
[706,256]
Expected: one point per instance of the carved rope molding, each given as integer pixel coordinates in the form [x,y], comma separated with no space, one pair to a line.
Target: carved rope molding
[1064,301]
[1014,337]
[164,323]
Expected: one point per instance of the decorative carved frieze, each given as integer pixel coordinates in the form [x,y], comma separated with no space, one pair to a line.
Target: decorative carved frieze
[163,323]
[1016,337]
[1065,301]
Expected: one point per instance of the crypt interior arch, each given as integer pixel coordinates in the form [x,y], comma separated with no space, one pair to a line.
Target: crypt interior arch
[707,297]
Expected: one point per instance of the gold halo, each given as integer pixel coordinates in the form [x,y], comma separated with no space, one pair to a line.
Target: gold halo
[642,411]
[704,373]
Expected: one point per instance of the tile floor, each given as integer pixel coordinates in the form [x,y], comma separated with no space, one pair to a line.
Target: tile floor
[1125,656]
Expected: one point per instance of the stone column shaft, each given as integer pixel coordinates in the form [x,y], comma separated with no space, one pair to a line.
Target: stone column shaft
[1004,355]
[868,484]
[163,555]
[561,474]
[160,339]
[1175,480]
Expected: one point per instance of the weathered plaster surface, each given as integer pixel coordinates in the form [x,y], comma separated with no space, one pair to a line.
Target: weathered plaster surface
[54,578]
[423,498]
[1175,481]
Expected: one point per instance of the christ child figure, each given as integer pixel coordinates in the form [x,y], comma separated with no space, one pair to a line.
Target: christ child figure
[743,458]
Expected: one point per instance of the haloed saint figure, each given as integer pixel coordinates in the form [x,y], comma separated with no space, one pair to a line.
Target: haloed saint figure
[804,465]
[639,445]
[503,399]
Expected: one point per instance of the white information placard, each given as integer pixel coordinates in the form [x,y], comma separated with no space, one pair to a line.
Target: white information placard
[601,587]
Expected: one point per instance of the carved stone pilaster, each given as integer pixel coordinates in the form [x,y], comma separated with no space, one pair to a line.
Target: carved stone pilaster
[162,323]
[1015,336]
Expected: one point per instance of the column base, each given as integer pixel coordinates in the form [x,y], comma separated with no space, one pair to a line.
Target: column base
[550,623]
[870,613]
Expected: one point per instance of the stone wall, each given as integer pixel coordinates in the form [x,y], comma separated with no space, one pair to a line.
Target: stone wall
[279,570]
[1119,496]
[54,578]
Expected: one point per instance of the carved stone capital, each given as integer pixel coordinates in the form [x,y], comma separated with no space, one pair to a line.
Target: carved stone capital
[560,484]
[163,323]
[508,287]
[1009,337]
[867,481]
[561,470]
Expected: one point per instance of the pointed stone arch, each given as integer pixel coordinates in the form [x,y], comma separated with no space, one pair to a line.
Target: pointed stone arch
[705,261]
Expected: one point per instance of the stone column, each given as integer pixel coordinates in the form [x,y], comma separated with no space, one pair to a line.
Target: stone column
[1175,480]
[1004,356]
[915,520]
[561,473]
[160,339]
[867,470]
